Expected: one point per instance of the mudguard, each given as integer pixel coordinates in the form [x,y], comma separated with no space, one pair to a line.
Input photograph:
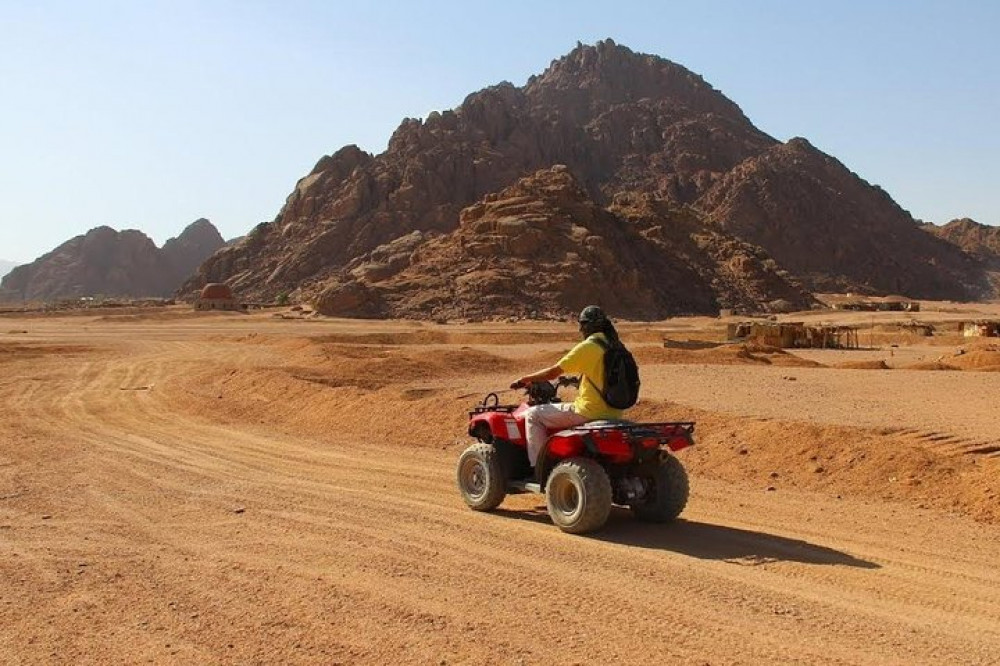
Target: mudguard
[619,442]
[500,424]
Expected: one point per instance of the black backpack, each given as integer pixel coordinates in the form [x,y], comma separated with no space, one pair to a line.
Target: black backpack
[621,376]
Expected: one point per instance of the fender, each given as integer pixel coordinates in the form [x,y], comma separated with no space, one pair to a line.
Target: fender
[593,443]
[500,424]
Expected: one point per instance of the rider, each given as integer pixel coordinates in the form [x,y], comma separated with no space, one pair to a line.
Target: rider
[585,359]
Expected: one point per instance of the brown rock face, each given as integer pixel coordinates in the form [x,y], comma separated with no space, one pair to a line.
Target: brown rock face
[838,233]
[980,240]
[186,252]
[623,124]
[543,248]
[105,262]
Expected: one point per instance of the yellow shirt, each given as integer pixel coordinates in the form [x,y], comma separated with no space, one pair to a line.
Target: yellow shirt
[587,360]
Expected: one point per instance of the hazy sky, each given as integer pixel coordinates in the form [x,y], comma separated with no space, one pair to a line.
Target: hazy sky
[149,115]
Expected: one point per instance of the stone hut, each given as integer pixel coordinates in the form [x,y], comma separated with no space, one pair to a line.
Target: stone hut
[794,334]
[987,328]
[917,328]
[216,296]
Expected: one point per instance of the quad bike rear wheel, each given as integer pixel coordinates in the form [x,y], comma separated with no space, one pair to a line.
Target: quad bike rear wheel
[480,477]
[669,494]
[578,495]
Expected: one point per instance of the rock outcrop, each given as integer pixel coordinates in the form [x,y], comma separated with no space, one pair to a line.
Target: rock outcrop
[186,252]
[980,240]
[544,248]
[106,262]
[624,124]
[835,231]
[977,240]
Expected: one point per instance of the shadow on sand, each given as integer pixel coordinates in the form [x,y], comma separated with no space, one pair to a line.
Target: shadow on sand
[706,541]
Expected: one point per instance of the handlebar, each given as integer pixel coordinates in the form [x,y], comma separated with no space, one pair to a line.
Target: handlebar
[564,380]
[541,392]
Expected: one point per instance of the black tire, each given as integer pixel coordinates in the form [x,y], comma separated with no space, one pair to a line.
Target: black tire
[669,494]
[578,495]
[480,477]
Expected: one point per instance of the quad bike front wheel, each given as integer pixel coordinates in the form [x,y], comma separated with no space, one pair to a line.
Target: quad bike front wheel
[578,495]
[669,493]
[480,477]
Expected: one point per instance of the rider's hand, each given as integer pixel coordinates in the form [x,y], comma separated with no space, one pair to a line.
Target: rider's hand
[517,385]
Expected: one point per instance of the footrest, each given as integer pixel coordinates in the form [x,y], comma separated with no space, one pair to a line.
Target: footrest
[523,486]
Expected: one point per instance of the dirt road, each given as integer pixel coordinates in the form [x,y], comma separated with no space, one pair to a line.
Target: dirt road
[225,490]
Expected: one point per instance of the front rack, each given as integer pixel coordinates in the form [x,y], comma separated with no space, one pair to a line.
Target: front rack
[480,409]
[491,403]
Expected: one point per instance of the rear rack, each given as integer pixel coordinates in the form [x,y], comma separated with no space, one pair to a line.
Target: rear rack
[640,435]
[640,429]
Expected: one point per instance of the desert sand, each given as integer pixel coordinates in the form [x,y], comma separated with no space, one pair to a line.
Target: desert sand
[182,488]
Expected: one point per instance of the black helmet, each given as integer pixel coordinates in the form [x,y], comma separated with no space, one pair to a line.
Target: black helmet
[592,315]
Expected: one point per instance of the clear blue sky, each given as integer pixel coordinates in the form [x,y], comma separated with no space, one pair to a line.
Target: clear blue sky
[147,114]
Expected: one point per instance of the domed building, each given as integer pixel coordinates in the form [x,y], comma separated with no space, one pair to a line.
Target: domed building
[216,296]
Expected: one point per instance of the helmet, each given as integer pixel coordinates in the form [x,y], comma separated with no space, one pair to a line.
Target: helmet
[592,315]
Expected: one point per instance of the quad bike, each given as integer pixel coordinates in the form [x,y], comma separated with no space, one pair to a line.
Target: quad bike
[581,471]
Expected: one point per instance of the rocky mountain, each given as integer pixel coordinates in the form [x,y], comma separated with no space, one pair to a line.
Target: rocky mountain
[6,266]
[835,231]
[113,263]
[979,240]
[543,247]
[186,252]
[626,126]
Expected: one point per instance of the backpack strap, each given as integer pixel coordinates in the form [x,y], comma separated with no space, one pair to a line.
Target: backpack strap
[605,346]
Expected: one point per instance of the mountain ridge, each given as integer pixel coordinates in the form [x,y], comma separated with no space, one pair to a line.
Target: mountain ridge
[621,122]
[7,266]
[107,262]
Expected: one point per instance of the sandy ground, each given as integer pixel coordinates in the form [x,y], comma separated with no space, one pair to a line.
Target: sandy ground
[212,489]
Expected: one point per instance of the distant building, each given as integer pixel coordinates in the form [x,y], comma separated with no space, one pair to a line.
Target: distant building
[917,328]
[216,296]
[795,334]
[987,328]
[879,305]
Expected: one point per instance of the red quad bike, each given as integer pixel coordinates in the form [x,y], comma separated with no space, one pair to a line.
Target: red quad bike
[581,470]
